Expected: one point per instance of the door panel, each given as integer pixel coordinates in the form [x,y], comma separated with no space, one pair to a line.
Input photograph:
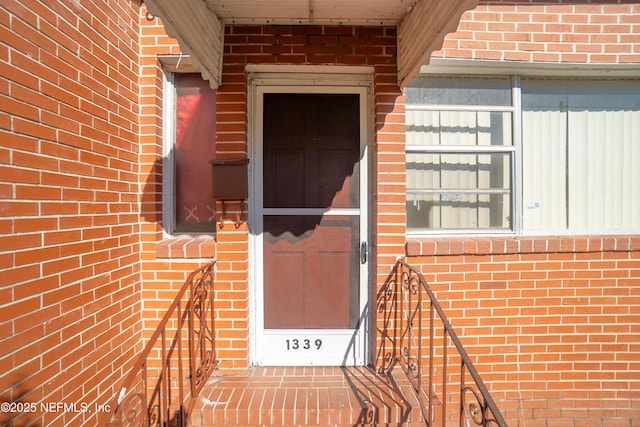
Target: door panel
[336,164]
[317,156]
[285,167]
[310,277]
[310,218]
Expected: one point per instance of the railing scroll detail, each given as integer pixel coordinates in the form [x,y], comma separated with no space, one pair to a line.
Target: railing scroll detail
[418,337]
[169,374]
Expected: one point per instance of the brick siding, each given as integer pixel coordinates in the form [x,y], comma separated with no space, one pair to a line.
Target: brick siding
[69,231]
[548,31]
[86,271]
[316,45]
[551,322]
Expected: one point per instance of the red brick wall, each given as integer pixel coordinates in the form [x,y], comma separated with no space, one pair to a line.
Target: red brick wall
[551,31]
[165,263]
[82,251]
[552,322]
[163,270]
[317,45]
[523,306]
[69,245]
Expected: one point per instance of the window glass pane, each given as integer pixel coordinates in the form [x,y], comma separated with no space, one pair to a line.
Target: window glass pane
[194,147]
[434,90]
[581,140]
[544,168]
[459,128]
[458,211]
[583,94]
[458,191]
[458,171]
[471,188]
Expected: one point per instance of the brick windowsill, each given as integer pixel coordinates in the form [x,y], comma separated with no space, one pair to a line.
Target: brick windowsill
[186,247]
[492,245]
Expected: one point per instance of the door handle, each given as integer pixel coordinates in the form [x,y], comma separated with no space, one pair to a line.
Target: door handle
[364,252]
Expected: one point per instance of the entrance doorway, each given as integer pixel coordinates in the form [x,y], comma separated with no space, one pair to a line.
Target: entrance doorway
[311,242]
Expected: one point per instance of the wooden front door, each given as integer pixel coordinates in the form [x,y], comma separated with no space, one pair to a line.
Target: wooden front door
[312,244]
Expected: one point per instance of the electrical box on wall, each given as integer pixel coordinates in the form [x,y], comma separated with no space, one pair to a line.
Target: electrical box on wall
[230,180]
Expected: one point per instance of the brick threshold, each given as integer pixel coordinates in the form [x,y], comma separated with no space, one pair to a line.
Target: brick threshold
[305,396]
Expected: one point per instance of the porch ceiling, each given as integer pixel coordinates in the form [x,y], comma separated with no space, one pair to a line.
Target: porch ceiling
[351,12]
[198,25]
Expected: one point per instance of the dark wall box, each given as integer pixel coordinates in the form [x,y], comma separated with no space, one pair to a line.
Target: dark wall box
[230,181]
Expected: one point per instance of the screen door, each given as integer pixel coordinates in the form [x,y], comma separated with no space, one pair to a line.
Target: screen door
[313,248]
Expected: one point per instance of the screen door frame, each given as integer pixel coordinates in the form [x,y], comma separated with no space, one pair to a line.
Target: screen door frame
[264,345]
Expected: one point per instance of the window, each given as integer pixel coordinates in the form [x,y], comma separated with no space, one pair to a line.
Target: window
[189,135]
[570,145]
[581,155]
[460,154]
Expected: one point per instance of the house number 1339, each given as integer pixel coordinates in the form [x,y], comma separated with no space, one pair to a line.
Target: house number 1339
[305,344]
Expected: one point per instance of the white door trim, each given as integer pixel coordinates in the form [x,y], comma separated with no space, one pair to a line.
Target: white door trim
[306,79]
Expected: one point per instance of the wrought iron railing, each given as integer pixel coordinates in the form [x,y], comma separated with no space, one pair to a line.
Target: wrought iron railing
[417,336]
[163,385]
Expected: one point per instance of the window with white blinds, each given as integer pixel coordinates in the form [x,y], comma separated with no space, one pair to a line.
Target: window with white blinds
[460,154]
[581,155]
[573,147]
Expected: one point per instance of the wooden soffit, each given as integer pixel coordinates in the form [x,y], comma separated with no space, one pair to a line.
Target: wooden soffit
[198,25]
[199,31]
[422,32]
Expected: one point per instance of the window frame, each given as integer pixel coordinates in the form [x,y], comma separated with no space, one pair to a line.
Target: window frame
[613,76]
[513,150]
[517,72]
[168,158]
[172,65]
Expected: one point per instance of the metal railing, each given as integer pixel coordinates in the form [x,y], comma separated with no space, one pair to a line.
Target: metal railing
[164,383]
[417,336]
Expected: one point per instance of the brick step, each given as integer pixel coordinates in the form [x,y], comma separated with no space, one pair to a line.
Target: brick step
[307,396]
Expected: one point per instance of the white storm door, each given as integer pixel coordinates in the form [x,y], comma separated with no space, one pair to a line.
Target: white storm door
[311,203]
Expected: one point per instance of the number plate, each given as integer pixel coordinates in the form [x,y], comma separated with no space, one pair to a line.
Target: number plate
[304,344]
[310,347]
